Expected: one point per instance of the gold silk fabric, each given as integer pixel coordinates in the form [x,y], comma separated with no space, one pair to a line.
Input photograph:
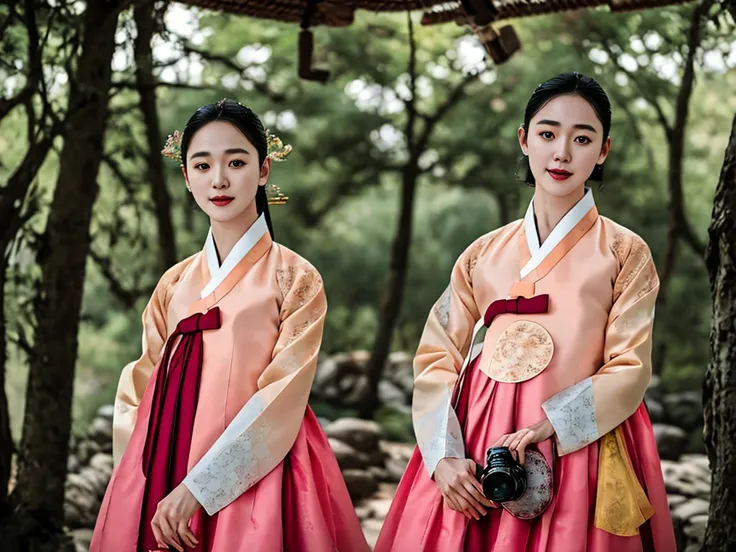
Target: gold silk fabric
[621,505]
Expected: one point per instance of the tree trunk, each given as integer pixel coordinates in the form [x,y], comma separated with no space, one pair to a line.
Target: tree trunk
[7,448]
[719,388]
[394,295]
[145,22]
[39,493]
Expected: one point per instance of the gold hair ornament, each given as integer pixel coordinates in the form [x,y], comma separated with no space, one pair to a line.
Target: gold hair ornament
[276,152]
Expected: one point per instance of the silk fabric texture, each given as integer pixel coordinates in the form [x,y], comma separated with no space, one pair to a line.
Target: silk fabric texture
[602,286]
[253,435]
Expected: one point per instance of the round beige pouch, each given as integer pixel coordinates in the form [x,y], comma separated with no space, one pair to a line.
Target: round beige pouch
[523,350]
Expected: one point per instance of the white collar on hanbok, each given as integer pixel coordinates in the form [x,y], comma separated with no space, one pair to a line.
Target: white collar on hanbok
[218,272]
[568,222]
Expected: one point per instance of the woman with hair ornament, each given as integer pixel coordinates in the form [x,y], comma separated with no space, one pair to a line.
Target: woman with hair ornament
[531,372]
[215,447]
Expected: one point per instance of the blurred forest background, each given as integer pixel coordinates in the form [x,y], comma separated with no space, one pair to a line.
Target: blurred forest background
[344,178]
[407,109]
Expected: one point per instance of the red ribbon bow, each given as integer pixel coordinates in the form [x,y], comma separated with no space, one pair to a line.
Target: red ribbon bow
[539,304]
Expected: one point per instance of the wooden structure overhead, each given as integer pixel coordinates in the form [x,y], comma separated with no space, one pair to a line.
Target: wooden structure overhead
[341,13]
[482,15]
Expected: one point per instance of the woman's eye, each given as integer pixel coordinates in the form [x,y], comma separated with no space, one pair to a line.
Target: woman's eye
[201,166]
[547,135]
[583,140]
[237,163]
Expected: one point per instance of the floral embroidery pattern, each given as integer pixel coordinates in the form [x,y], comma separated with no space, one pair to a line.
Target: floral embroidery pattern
[572,413]
[439,435]
[442,309]
[238,460]
[633,254]
[523,350]
[539,486]
[474,251]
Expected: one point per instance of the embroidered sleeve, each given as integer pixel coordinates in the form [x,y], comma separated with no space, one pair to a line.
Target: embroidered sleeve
[442,349]
[136,375]
[588,410]
[263,432]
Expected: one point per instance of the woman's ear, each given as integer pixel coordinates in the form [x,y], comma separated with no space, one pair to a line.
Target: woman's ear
[604,151]
[265,172]
[522,141]
[186,178]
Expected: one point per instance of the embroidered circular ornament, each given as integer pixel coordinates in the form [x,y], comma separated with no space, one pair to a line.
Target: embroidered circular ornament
[539,485]
[523,350]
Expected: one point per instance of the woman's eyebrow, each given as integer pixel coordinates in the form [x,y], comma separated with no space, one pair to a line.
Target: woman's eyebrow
[581,126]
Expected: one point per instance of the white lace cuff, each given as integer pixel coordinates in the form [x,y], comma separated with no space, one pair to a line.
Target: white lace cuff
[572,413]
[238,460]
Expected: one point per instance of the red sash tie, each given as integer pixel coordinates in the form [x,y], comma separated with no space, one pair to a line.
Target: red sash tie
[174,405]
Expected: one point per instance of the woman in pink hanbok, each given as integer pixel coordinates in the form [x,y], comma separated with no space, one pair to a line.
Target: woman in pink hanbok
[541,344]
[215,447]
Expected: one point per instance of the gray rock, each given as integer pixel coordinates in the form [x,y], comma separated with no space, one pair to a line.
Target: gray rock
[72,514]
[695,529]
[326,372]
[103,463]
[364,511]
[371,529]
[654,389]
[356,392]
[400,371]
[362,435]
[81,506]
[360,484]
[347,457]
[72,464]
[396,469]
[684,409]
[82,537]
[353,362]
[379,473]
[691,508]
[106,412]
[81,482]
[675,500]
[671,441]
[389,394]
[101,431]
[656,411]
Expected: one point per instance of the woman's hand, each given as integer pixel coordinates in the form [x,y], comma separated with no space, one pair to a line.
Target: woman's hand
[521,439]
[170,523]
[455,478]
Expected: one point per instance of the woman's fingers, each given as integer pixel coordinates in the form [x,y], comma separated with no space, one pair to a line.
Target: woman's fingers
[186,535]
[158,535]
[170,536]
[461,489]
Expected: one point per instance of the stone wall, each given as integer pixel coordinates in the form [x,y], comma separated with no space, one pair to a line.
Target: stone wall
[372,466]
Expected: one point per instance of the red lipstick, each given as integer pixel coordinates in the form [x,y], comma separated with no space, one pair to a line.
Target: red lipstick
[221,201]
[559,174]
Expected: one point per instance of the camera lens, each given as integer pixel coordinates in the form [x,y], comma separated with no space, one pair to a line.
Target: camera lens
[498,486]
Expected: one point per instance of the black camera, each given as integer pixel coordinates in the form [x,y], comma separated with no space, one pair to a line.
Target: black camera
[503,478]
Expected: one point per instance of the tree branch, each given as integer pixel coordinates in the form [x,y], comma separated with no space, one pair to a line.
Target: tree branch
[127,297]
[451,101]
[261,87]
[633,77]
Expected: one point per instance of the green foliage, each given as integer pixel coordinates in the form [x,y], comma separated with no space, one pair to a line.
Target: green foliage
[396,425]
[349,139]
